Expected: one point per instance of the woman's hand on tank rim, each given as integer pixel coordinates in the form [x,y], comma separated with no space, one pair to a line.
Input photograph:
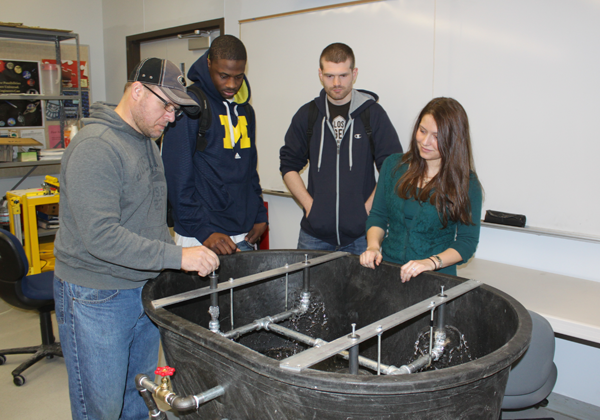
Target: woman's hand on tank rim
[415,267]
[370,258]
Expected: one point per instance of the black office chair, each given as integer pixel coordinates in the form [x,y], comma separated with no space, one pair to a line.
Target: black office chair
[533,376]
[26,292]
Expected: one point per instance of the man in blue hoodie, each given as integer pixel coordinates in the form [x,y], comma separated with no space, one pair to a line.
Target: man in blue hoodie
[213,188]
[341,151]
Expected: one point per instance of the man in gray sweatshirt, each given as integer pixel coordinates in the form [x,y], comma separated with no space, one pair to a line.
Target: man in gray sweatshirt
[113,237]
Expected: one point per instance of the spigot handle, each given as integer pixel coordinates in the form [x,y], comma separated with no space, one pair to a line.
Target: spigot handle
[164,371]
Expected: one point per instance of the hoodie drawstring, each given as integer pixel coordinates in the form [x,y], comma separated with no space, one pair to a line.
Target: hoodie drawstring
[321,145]
[231,131]
[351,123]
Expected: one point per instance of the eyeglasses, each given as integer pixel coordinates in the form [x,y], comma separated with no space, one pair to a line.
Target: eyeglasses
[169,107]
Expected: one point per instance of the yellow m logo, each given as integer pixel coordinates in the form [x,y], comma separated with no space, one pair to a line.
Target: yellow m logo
[240,132]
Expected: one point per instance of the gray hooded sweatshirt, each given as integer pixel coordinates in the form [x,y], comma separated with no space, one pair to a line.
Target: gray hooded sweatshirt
[113,202]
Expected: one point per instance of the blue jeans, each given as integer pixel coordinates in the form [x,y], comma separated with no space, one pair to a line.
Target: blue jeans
[245,246]
[306,241]
[107,339]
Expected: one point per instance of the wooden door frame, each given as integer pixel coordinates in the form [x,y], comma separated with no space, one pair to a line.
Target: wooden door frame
[133,41]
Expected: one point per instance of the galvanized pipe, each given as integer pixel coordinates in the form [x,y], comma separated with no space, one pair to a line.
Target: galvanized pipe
[269,324]
[441,316]
[372,364]
[306,279]
[214,325]
[307,358]
[437,350]
[418,364]
[242,281]
[353,360]
[260,323]
[294,335]
[172,399]
[146,394]
[214,283]
[316,342]
[431,331]
[441,312]
[239,331]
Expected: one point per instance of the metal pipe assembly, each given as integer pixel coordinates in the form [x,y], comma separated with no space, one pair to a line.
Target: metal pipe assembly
[214,325]
[316,342]
[346,346]
[353,352]
[437,350]
[307,358]
[242,281]
[437,343]
[261,323]
[269,324]
[306,275]
[144,385]
[216,287]
[146,394]
[441,311]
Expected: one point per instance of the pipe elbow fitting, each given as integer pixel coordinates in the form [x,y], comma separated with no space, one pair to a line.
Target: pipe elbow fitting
[183,403]
[402,370]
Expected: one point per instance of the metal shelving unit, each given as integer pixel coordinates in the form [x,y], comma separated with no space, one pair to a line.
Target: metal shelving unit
[55,36]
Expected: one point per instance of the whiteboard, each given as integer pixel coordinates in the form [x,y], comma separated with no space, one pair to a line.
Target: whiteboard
[525,71]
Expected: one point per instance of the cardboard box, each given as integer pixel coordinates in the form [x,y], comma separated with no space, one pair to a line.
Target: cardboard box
[50,209]
[7,144]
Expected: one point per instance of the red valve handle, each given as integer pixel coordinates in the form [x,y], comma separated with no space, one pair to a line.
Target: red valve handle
[164,371]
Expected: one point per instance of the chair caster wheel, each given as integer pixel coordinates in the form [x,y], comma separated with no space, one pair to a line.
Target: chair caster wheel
[2,359]
[19,380]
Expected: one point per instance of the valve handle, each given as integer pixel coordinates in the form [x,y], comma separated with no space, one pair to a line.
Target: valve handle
[164,371]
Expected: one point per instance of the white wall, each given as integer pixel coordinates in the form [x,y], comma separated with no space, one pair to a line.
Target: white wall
[132,17]
[246,9]
[33,181]
[83,17]
[125,18]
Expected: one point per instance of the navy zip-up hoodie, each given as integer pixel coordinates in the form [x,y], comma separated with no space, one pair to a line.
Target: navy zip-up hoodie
[217,189]
[339,182]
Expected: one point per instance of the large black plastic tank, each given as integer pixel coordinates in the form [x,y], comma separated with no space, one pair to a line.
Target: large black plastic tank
[497,330]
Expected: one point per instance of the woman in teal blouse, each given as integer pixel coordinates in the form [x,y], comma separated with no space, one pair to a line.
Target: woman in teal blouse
[429,199]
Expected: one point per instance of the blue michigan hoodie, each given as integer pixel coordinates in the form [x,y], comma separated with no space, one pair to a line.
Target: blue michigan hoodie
[217,189]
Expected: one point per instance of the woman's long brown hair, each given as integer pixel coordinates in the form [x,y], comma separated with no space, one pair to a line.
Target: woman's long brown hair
[449,189]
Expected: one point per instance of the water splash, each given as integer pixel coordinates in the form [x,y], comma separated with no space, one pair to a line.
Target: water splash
[280,353]
[314,321]
[456,349]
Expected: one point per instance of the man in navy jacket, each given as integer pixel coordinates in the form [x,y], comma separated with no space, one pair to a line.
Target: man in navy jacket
[341,177]
[215,192]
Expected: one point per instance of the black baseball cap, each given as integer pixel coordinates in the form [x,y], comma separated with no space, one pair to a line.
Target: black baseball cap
[168,78]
